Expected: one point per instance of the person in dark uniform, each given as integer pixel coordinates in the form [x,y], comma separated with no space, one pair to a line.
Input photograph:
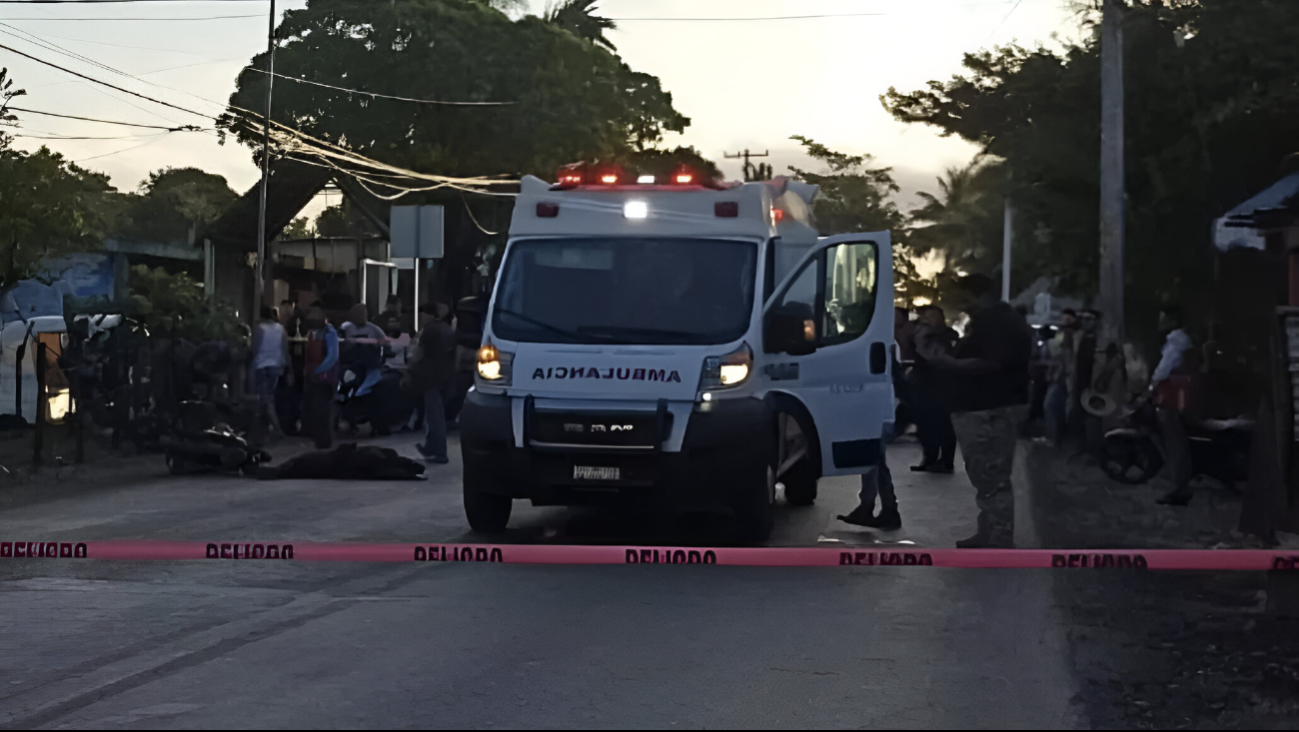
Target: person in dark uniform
[989,371]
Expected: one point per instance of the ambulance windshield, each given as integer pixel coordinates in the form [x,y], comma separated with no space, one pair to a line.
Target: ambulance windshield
[648,291]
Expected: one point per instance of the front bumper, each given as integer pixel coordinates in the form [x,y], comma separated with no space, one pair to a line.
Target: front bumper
[723,444]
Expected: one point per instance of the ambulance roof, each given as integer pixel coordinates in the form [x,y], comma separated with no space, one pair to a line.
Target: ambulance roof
[664,210]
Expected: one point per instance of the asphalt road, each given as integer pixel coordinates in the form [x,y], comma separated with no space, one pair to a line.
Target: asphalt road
[257,645]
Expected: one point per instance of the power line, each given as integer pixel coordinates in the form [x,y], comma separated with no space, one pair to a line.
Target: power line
[91,2]
[105,83]
[101,18]
[1003,20]
[104,121]
[383,96]
[115,152]
[88,137]
[739,20]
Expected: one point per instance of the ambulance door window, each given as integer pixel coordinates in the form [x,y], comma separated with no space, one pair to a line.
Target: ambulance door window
[851,279]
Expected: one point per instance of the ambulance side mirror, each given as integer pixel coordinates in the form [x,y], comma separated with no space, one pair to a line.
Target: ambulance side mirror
[790,330]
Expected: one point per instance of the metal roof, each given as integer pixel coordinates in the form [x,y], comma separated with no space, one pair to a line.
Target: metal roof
[1275,208]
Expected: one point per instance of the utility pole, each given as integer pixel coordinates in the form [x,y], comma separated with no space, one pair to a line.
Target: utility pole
[1008,237]
[752,172]
[261,269]
[1113,203]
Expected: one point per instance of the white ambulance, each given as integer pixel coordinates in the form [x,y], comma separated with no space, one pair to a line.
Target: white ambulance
[675,345]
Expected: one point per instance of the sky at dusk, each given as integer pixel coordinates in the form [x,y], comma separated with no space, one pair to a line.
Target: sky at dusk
[745,84]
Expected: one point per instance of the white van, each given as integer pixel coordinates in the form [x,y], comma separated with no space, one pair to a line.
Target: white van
[676,345]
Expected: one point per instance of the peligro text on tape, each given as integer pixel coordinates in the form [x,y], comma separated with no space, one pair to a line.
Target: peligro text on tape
[1157,559]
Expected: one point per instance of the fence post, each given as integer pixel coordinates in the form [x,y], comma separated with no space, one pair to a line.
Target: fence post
[38,443]
[78,353]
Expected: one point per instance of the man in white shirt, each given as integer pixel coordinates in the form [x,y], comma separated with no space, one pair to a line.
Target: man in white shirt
[1175,476]
[270,349]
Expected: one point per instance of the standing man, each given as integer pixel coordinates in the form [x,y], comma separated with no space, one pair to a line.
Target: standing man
[270,349]
[319,379]
[931,393]
[1170,385]
[989,372]
[904,354]
[433,373]
[1060,375]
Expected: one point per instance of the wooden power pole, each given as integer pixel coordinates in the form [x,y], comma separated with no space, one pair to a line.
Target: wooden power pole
[1113,205]
[752,172]
[261,271]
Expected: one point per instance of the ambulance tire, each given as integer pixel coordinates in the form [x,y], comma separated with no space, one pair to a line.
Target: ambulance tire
[800,484]
[488,513]
[755,506]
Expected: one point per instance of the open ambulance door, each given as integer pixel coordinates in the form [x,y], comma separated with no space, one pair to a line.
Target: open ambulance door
[828,335]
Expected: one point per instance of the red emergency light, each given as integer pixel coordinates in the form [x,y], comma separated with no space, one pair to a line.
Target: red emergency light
[683,176]
[777,214]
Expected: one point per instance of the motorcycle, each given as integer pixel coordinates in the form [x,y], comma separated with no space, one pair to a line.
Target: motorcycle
[1134,453]
[370,395]
[200,442]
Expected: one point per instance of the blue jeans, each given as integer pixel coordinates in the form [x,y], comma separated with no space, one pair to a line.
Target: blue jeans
[265,380]
[1056,408]
[878,481]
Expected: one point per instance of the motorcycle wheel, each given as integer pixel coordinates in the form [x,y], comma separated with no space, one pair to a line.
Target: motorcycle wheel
[1131,460]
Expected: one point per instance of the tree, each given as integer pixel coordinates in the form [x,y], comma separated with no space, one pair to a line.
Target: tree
[7,93]
[344,221]
[1210,103]
[173,204]
[855,197]
[566,99]
[579,18]
[963,223]
[49,207]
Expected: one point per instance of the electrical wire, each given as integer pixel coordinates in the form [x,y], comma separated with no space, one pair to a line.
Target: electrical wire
[103,19]
[104,83]
[382,96]
[1003,20]
[77,137]
[115,152]
[185,128]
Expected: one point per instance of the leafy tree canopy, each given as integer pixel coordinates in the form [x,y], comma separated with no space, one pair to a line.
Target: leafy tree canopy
[175,203]
[579,18]
[49,207]
[568,98]
[1211,104]
[856,197]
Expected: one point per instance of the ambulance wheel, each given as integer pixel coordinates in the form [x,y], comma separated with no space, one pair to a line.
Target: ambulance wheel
[755,506]
[800,484]
[488,513]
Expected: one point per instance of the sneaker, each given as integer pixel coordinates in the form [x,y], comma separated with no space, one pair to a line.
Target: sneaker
[922,468]
[942,468]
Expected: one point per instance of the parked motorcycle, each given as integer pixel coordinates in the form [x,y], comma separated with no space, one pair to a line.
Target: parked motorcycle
[1134,453]
[200,441]
[373,396]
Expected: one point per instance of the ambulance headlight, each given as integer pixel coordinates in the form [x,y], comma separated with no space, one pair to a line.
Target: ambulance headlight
[636,210]
[494,367]
[730,370]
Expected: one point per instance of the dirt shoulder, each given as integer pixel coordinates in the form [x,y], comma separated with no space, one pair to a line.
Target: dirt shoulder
[1184,650]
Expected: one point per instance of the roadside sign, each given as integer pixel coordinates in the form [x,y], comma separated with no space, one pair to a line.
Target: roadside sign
[416,232]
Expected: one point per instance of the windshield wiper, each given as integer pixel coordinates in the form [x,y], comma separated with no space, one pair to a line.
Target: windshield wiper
[609,330]
[577,335]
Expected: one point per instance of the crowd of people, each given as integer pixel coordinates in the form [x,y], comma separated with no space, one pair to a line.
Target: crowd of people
[392,373]
[983,390]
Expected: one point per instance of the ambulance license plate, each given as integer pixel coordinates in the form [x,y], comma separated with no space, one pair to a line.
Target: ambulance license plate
[586,472]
